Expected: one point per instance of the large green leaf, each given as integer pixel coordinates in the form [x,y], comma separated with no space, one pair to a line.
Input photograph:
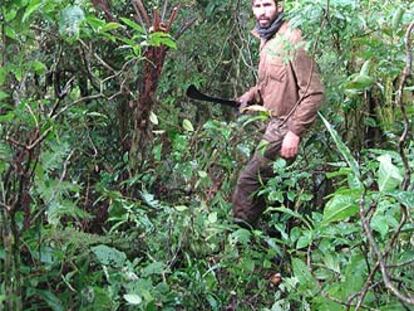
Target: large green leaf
[133,25]
[343,149]
[31,8]
[341,206]
[379,223]
[389,175]
[162,38]
[354,275]
[109,256]
[360,82]
[403,197]
[301,272]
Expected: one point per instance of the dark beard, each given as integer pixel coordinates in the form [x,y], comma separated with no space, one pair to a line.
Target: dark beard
[268,32]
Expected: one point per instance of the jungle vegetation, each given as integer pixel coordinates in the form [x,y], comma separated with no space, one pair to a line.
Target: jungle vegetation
[115,187]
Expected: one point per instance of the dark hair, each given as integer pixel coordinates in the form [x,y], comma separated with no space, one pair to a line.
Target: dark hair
[276,1]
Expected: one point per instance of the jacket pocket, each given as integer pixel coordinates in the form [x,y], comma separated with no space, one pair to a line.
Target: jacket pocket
[276,71]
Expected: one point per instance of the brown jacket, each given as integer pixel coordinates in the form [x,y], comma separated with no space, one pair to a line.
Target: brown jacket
[285,71]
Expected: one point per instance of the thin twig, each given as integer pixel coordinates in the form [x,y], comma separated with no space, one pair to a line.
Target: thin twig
[400,265]
[156,19]
[105,64]
[164,10]
[138,16]
[172,18]
[383,267]
[143,12]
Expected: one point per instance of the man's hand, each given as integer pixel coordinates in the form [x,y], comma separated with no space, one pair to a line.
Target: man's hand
[244,101]
[290,145]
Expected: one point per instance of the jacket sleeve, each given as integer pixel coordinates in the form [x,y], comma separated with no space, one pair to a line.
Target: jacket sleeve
[310,92]
[254,94]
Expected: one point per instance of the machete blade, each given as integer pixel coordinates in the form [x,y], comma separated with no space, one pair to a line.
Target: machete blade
[194,93]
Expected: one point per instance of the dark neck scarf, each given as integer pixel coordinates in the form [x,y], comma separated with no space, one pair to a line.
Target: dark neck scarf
[267,33]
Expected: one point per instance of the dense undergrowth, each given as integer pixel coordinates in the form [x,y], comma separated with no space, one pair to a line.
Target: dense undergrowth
[85,227]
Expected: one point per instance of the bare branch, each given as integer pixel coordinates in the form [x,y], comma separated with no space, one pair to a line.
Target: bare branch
[172,18]
[400,265]
[156,19]
[382,265]
[138,16]
[142,11]
[164,10]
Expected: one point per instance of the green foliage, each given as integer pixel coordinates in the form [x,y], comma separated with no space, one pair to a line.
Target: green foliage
[81,231]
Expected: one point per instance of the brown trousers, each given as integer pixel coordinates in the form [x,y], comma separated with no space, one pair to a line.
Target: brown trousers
[247,205]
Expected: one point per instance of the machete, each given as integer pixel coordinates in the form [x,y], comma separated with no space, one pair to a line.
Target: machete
[193,93]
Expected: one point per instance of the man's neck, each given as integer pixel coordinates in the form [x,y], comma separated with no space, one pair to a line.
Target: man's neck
[268,32]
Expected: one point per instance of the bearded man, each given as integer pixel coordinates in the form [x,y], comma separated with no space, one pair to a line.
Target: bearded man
[289,87]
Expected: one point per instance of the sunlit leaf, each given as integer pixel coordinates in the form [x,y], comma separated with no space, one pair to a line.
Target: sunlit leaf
[10,15]
[150,200]
[133,25]
[181,208]
[202,174]
[153,118]
[341,206]
[38,67]
[162,38]
[365,68]
[389,176]
[10,32]
[110,26]
[31,8]
[133,299]
[212,217]
[95,23]
[188,126]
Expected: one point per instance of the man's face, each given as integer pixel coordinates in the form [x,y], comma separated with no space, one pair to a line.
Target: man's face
[265,12]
